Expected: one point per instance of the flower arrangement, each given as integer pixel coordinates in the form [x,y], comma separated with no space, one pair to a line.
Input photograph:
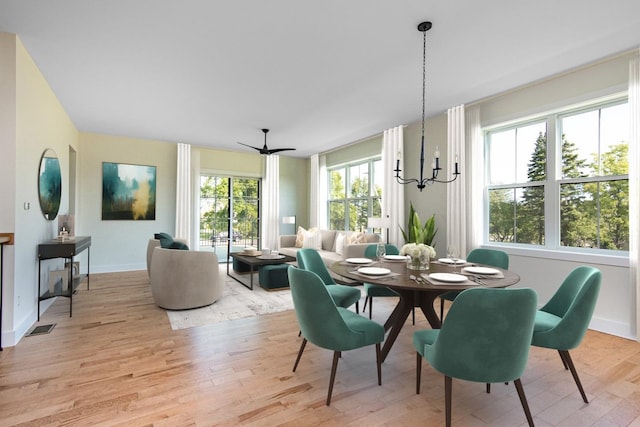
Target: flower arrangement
[419,255]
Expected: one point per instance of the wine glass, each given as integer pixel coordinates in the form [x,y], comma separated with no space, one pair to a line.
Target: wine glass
[381,250]
[453,255]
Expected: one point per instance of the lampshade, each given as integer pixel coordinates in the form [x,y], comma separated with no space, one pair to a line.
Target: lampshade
[377,222]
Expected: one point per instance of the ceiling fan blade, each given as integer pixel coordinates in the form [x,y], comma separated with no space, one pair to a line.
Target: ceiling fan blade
[265,150]
[251,146]
[277,150]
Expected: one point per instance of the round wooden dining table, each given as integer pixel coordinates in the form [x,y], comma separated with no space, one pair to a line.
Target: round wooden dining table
[422,292]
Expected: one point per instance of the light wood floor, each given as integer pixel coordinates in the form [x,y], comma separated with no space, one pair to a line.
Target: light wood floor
[117,362]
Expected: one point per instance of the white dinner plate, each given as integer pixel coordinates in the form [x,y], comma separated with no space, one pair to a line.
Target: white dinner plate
[448,277]
[481,270]
[359,260]
[450,261]
[395,257]
[374,271]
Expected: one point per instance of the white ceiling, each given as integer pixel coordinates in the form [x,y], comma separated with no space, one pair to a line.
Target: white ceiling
[318,74]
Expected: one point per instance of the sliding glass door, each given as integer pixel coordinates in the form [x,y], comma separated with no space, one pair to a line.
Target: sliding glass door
[229,214]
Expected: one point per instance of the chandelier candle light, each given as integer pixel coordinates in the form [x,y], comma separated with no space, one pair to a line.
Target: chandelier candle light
[422,182]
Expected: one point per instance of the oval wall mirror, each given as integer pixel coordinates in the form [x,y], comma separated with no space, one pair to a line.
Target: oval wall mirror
[50,184]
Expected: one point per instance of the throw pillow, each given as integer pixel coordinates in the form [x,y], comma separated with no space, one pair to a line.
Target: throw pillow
[159,236]
[312,239]
[165,240]
[357,238]
[178,245]
[300,237]
[339,243]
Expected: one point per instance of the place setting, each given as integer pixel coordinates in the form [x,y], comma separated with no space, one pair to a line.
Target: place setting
[375,272]
[358,261]
[479,274]
[395,258]
[445,279]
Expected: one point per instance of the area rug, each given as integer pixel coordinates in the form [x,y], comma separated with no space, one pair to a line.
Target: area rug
[237,302]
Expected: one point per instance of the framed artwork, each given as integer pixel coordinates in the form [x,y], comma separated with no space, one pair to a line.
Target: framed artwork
[128,192]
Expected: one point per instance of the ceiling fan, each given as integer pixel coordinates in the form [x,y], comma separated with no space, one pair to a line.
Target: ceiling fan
[265,149]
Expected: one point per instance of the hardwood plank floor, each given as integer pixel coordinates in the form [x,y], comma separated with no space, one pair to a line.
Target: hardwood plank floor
[117,362]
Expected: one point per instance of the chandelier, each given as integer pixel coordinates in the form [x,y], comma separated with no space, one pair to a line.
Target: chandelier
[422,182]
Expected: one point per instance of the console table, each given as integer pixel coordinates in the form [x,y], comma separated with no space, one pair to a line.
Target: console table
[66,248]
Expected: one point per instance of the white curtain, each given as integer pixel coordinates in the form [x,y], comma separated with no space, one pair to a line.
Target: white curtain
[318,192]
[456,191]
[195,199]
[634,181]
[271,202]
[474,178]
[392,192]
[183,194]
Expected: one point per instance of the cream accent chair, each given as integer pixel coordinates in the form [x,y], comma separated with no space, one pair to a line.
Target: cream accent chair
[183,279]
[153,243]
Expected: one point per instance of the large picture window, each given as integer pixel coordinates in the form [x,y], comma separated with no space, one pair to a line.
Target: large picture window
[355,192]
[561,180]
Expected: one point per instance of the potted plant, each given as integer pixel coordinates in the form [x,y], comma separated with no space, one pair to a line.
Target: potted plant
[416,232]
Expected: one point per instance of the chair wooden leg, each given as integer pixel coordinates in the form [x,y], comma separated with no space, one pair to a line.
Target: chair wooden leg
[304,343]
[567,358]
[523,400]
[441,309]
[357,306]
[447,400]
[366,299]
[488,388]
[379,363]
[418,371]
[413,315]
[370,306]
[564,361]
[334,368]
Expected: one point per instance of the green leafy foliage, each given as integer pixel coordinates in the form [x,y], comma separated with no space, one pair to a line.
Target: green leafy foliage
[417,232]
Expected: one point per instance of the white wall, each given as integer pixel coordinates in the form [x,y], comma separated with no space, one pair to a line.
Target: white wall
[32,121]
[122,245]
[432,199]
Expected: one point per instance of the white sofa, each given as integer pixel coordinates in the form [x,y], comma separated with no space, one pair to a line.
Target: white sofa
[331,251]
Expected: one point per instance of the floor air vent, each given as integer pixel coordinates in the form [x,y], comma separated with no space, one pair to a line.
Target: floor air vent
[42,329]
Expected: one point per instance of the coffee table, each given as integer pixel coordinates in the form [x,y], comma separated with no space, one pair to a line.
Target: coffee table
[253,262]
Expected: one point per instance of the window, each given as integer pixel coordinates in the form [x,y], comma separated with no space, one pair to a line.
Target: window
[355,192]
[561,180]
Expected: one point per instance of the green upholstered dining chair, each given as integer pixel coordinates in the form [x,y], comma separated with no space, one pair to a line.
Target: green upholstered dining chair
[344,296]
[328,326]
[485,338]
[492,257]
[563,321]
[372,290]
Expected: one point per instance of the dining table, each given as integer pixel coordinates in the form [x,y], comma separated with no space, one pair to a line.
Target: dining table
[419,288]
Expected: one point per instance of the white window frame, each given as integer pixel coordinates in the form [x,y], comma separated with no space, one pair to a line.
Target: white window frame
[370,161]
[551,248]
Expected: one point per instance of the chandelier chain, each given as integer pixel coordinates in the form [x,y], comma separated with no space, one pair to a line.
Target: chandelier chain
[424,73]
[422,182]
